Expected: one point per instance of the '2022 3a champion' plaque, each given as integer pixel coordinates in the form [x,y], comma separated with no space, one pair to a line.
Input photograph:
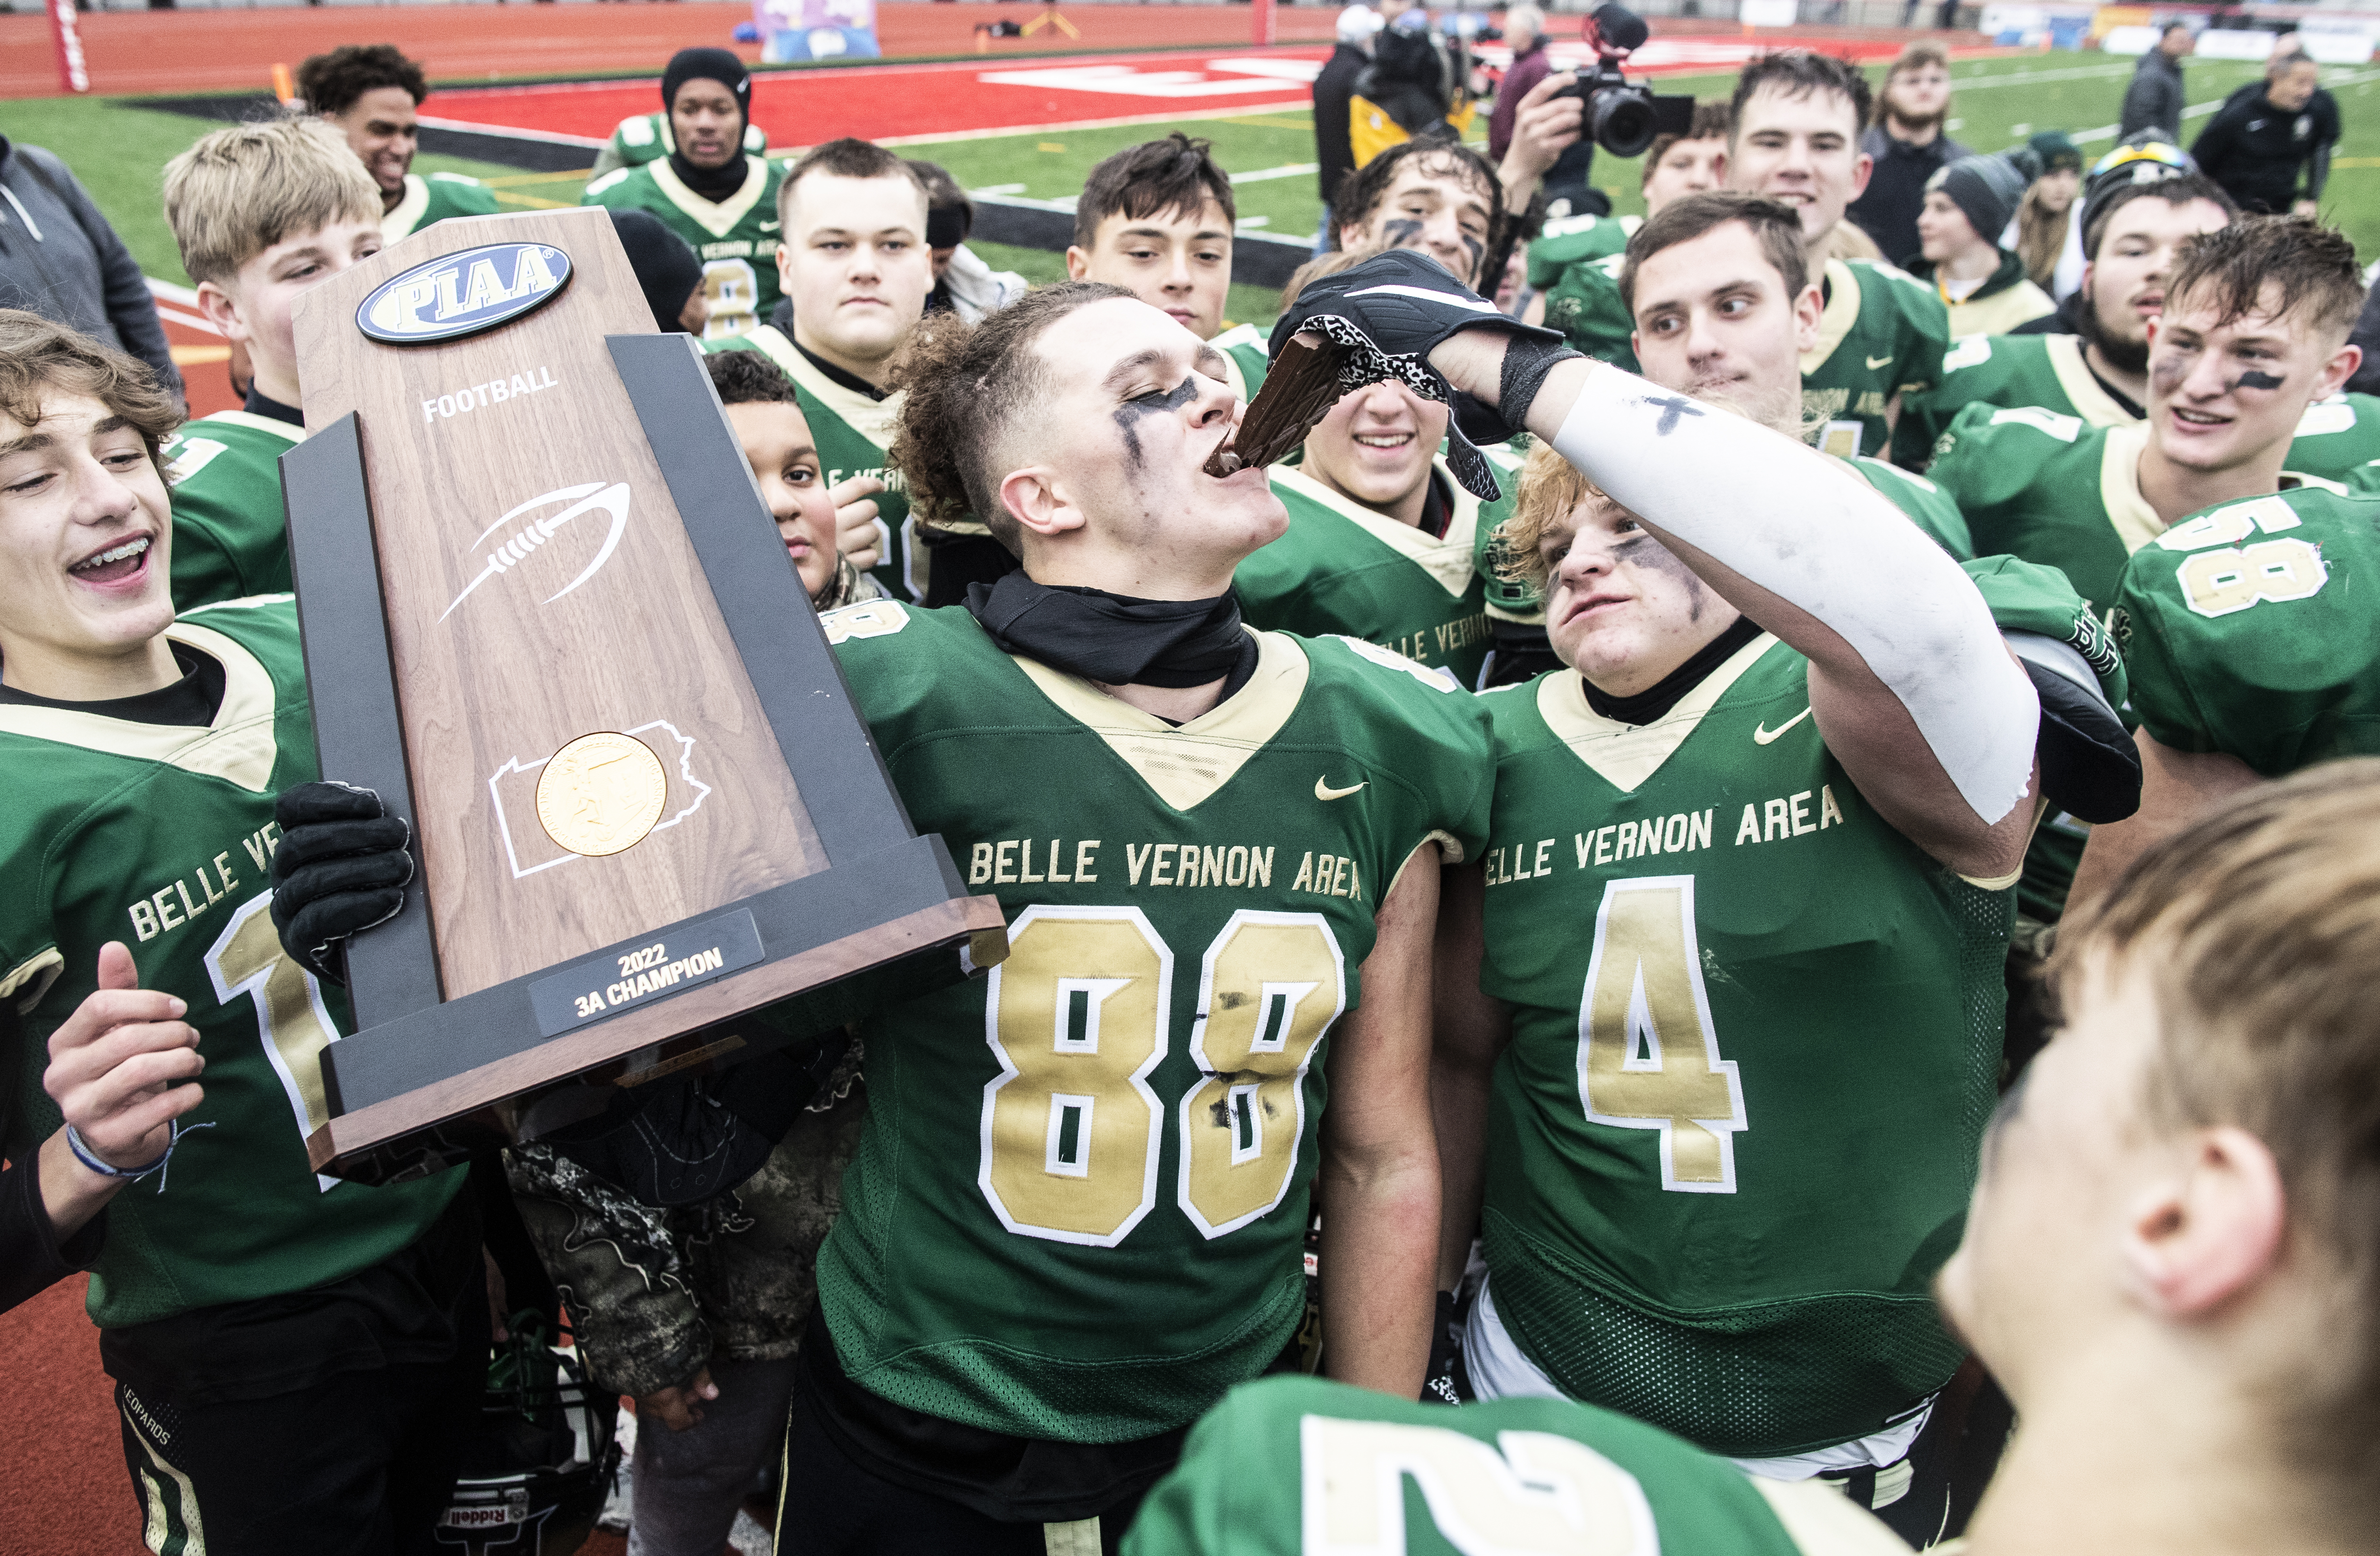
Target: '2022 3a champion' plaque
[548,617]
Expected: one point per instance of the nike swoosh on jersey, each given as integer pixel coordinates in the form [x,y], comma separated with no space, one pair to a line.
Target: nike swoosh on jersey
[1761,735]
[1883,361]
[770,226]
[1322,789]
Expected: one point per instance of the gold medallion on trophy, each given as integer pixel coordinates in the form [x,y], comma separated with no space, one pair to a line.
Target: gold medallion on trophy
[600,793]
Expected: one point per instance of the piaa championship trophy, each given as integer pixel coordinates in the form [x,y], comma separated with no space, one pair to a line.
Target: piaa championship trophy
[548,619]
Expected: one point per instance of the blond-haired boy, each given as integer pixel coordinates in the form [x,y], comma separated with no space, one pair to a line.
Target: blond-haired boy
[261,212]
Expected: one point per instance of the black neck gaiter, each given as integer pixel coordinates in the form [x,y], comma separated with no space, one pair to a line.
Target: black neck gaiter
[713,184]
[1658,700]
[1114,638]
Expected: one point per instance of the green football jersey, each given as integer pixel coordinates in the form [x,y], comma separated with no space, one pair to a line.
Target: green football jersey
[1568,240]
[1246,355]
[854,438]
[2044,371]
[1582,301]
[434,198]
[643,137]
[1342,568]
[1733,1134]
[2336,436]
[1882,333]
[2243,633]
[231,538]
[736,238]
[2042,485]
[163,837]
[1298,1466]
[1078,1208]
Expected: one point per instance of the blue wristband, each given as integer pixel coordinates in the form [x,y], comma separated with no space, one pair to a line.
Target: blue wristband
[89,1158]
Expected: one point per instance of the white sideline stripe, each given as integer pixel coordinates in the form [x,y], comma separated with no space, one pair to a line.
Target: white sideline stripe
[171,293]
[1294,170]
[187,320]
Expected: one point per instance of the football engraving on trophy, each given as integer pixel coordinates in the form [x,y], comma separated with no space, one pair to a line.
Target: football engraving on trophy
[548,619]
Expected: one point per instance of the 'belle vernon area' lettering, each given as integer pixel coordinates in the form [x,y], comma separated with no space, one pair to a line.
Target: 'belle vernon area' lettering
[1434,643]
[1784,818]
[1029,861]
[176,903]
[495,391]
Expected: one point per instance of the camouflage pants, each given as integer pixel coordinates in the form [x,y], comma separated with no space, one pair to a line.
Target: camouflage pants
[652,1294]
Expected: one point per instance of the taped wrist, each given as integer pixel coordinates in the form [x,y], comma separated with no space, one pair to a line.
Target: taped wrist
[1812,533]
[1526,361]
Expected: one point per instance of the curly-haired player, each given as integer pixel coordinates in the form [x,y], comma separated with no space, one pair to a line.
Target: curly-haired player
[370,93]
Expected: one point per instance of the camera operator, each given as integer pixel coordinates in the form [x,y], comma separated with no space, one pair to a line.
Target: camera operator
[1557,128]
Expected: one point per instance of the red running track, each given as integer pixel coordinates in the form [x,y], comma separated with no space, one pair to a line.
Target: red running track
[167,51]
[897,102]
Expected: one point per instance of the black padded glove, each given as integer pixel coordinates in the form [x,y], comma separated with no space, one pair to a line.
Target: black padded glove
[342,866]
[1387,312]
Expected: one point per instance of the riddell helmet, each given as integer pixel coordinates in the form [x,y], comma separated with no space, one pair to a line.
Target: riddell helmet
[537,1471]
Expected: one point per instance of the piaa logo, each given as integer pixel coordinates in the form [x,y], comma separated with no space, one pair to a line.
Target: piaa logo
[462,293]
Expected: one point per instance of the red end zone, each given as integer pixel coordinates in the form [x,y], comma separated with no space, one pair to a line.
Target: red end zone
[895,102]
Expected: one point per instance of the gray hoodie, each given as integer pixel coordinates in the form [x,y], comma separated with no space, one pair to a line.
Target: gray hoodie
[2153,100]
[60,258]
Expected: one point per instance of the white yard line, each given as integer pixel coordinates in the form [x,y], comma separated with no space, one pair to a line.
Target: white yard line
[1294,170]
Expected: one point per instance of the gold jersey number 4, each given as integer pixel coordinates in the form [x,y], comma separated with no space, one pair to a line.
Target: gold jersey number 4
[1078,1017]
[1649,1055]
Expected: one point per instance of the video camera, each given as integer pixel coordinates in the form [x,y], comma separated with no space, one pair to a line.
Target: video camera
[1622,118]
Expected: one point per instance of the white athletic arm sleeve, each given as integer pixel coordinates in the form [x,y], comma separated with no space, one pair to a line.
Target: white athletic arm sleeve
[1812,533]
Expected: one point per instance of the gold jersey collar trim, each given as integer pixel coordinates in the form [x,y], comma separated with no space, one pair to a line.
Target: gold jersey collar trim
[2135,522]
[2092,402]
[1190,764]
[1841,312]
[400,222]
[1447,560]
[874,420]
[237,748]
[1626,755]
[718,218]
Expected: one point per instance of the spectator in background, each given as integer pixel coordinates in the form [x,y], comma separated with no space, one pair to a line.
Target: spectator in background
[2044,235]
[2266,133]
[2153,100]
[370,94]
[60,258]
[1982,283]
[2366,336]
[1334,95]
[1908,146]
[1524,31]
[1405,83]
[667,272]
[963,285]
